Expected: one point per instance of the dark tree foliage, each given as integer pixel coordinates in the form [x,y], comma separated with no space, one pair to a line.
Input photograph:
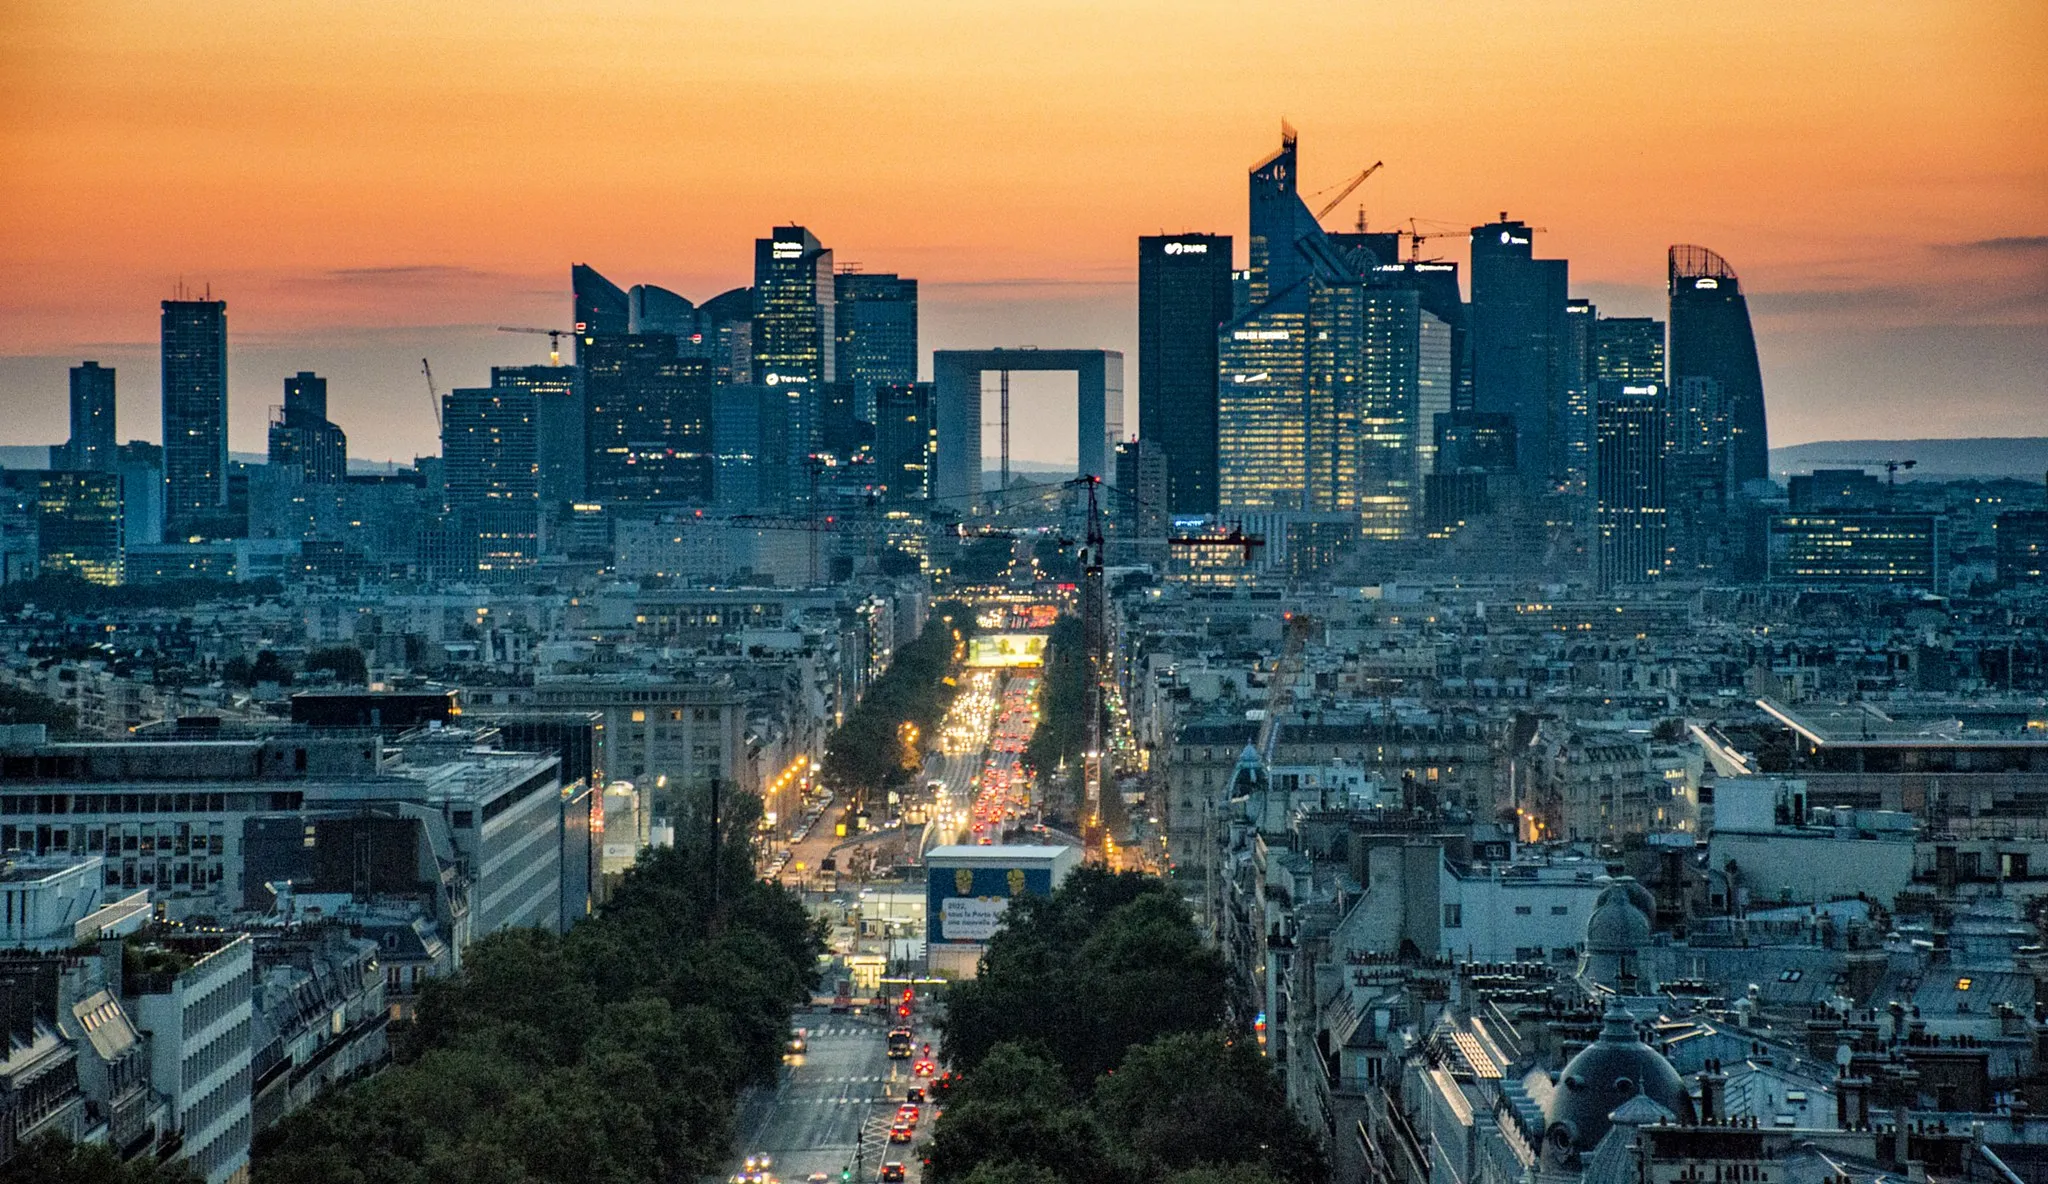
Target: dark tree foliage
[1091,1049]
[612,1054]
[345,662]
[65,592]
[868,752]
[22,706]
[1061,701]
[1121,942]
[53,1159]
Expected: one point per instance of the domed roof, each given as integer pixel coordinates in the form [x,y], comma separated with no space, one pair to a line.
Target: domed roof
[1630,889]
[1617,926]
[1605,1076]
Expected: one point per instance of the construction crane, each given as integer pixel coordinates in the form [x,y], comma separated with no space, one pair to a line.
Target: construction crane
[433,393]
[1350,185]
[1417,236]
[1280,692]
[554,337]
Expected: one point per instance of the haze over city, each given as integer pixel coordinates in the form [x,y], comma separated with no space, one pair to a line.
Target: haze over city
[367,186]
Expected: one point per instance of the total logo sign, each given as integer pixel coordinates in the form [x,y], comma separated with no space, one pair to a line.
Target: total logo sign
[1186,248]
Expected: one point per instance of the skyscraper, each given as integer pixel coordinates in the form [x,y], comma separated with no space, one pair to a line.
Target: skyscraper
[795,313]
[558,426]
[301,436]
[875,323]
[91,447]
[647,420]
[1274,439]
[490,455]
[195,408]
[906,441]
[1520,345]
[658,310]
[1629,485]
[601,305]
[1184,297]
[1580,377]
[1711,340]
[1378,375]
[1628,350]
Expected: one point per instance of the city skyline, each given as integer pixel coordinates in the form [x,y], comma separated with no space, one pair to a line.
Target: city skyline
[1882,216]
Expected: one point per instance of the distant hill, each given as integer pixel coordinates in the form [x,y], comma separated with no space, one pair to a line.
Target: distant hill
[2021,457]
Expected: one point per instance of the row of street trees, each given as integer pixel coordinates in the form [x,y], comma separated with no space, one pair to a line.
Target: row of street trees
[1092,1048]
[872,750]
[612,1054]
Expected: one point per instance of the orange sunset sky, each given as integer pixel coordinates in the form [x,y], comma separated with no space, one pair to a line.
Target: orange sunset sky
[367,183]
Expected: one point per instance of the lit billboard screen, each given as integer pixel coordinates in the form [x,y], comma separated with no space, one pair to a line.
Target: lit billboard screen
[1006,649]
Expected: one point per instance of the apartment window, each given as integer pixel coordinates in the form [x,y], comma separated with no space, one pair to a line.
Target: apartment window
[1560,910]
[1454,916]
[1523,910]
[639,715]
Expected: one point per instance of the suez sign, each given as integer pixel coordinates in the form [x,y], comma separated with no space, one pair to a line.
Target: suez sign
[1186,248]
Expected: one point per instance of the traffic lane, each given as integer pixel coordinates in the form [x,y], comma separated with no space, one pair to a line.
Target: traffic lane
[842,1083]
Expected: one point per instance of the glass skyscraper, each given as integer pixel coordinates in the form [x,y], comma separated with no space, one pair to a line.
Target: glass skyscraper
[647,421]
[301,436]
[906,441]
[1711,342]
[195,409]
[875,327]
[558,426]
[1184,297]
[491,464]
[91,447]
[1629,486]
[1520,346]
[601,305]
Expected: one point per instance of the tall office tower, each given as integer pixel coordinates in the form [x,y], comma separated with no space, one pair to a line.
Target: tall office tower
[1184,297]
[601,306]
[195,403]
[1442,298]
[657,310]
[1268,425]
[843,432]
[301,436]
[795,316]
[750,446]
[1628,350]
[1520,349]
[1138,504]
[1262,407]
[1711,340]
[1378,376]
[1580,377]
[875,323]
[558,426]
[647,421]
[91,447]
[491,459]
[727,323]
[1629,486]
[906,442]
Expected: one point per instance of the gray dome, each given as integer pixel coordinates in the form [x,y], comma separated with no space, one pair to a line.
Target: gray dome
[1617,926]
[1630,889]
[1605,1076]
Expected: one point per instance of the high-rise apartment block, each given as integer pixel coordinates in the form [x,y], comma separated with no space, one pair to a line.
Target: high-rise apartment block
[1184,296]
[92,445]
[301,436]
[195,410]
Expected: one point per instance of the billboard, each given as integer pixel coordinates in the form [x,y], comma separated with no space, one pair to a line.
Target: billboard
[1006,649]
[966,904]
